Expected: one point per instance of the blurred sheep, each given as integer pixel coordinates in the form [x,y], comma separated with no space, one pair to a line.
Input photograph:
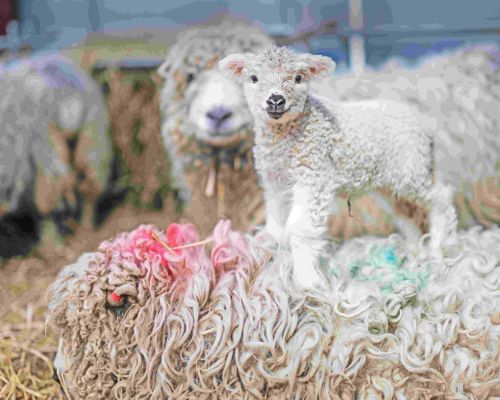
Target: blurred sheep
[206,125]
[54,145]
[150,315]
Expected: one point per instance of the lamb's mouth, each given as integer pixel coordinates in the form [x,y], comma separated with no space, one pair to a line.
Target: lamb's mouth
[276,114]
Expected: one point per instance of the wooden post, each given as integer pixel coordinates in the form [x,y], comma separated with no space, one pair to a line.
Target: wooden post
[356,39]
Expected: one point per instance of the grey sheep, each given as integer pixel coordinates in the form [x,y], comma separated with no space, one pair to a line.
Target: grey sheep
[307,149]
[54,142]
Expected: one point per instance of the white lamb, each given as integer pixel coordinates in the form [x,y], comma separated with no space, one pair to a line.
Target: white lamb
[307,149]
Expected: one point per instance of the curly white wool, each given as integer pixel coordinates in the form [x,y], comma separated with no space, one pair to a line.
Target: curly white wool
[247,333]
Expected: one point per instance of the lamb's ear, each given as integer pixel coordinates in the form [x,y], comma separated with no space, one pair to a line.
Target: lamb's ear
[318,66]
[164,69]
[233,65]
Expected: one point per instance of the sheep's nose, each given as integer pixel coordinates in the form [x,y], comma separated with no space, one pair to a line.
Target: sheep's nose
[276,101]
[219,115]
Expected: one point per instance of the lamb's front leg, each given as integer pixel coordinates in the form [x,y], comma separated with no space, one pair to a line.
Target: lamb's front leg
[305,228]
[276,212]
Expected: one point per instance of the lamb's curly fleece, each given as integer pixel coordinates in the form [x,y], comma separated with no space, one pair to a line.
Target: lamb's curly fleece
[232,325]
[458,91]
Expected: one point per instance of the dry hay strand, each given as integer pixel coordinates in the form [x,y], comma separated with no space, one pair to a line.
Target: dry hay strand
[236,197]
[26,355]
[394,320]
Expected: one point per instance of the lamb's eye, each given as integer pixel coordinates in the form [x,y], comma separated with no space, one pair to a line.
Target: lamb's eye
[254,79]
[189,77]
[298,78]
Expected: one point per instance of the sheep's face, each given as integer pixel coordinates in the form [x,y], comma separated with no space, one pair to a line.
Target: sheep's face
[211,104]
[276,81]
[216,105]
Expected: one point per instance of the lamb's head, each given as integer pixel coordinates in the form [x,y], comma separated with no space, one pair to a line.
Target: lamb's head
[276,81]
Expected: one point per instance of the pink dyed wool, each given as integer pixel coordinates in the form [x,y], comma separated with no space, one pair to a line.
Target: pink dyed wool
[164,257]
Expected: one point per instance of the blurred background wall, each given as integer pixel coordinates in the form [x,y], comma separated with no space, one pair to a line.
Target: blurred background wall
[408,29]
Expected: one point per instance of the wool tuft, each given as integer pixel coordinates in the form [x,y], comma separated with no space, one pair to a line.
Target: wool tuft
[221,319]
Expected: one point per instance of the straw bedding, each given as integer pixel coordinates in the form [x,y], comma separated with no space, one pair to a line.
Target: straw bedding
[143,318]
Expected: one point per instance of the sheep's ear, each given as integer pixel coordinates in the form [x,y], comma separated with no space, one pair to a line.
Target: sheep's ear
[233,65]
[164,69]
[318,66]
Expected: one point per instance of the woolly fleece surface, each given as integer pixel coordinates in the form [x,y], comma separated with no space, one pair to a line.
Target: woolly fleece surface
[224,321]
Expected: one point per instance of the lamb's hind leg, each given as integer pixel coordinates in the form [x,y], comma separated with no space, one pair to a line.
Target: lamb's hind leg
[443,216]
[403,225]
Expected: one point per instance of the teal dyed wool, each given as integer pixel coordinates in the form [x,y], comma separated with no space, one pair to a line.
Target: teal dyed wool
[383,265]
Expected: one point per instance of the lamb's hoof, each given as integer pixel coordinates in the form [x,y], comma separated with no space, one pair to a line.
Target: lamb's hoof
[305,273]
[444,249]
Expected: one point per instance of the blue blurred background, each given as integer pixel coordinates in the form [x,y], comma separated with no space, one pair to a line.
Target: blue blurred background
[386,28]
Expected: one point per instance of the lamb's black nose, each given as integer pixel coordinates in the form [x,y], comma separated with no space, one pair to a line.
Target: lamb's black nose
[276,101]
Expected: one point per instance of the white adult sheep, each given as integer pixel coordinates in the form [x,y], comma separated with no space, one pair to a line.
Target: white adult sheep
[198,103]
[136,322]
[54,141]
[307,149]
